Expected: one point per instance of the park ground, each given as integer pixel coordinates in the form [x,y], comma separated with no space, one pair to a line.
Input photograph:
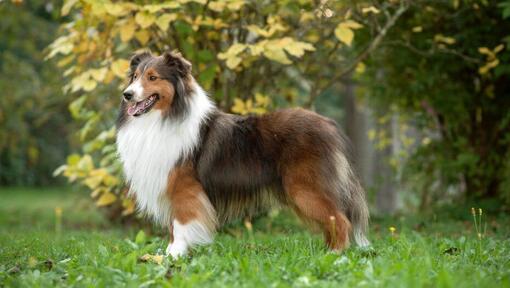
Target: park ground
[82,249]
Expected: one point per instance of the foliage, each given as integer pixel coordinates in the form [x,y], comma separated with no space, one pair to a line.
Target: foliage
[420,252]
[446,66]
[34,122]
[242,51]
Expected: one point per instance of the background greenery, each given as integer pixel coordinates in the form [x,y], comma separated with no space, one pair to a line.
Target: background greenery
[34,122]
[425,67]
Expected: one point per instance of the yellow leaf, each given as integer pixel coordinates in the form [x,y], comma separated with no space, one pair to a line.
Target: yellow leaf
[262,100]
[485,50]
[144,19]
[164,20]
[306,17]
[249,105]
[273,27]
[499,48]
[98,9]
[257,48]
[158,259]
[73,159]
[217,6]
[85,163]
[417,29]
[239,107]
[344,34]
[63,45]
[98,191]
[440,38]
[98,74]
[120,67]
[59,170]
[129,206]
[66,8]
[106,199]
[101,173]
[92,182]
[277,55]
[196,1]
[234,5]
[231,55]
[109,77]
[259,31]
[127,31]
[487,67]
[233,50]
[117,10]
[89,85]
[456,4]
[142,36]
[233,62]
[297,48]
[110,180]
[66,60]
[370,9]
[258,110]
[153,8]
[352,24]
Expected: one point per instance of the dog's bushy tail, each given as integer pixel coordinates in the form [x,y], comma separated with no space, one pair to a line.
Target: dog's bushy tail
[351,196]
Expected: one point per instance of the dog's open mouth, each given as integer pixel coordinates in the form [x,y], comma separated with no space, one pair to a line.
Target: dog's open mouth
[139,108]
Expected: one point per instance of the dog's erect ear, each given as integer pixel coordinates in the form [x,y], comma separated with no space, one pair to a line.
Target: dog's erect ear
[175,59]
[137,59]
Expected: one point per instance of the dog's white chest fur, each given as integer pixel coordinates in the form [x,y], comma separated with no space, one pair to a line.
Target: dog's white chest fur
[149,147]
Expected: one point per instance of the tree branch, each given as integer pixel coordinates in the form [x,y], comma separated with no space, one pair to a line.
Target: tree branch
[432,50]
[362,56]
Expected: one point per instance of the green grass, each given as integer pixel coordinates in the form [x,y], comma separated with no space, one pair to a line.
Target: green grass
[440,250]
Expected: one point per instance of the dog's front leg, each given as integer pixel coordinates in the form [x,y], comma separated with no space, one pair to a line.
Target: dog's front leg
[188,235]
[194,218]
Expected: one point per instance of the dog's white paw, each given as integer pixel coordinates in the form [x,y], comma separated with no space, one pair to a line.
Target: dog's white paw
[177,249]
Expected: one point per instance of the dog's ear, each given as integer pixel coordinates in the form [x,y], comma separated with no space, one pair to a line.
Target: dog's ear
[174,59]
[137,59]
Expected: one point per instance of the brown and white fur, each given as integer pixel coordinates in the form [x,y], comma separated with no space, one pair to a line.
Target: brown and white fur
[192,167]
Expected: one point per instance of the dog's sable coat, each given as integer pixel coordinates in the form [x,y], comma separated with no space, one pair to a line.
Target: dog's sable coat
[192,167]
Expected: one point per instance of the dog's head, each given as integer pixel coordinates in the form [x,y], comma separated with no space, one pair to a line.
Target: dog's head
[158,84]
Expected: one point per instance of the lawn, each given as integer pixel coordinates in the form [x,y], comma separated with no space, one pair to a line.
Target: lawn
[436,250]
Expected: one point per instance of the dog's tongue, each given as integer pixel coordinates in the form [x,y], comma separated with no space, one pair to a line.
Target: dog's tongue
[135,108]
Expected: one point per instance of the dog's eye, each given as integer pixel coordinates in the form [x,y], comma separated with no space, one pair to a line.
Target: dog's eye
[153,78]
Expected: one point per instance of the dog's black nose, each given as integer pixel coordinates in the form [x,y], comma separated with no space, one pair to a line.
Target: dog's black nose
[128,95]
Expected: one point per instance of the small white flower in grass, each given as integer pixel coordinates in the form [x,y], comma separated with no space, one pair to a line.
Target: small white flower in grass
[341,261]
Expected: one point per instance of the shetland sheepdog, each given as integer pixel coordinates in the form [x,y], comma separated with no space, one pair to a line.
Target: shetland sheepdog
[191,167]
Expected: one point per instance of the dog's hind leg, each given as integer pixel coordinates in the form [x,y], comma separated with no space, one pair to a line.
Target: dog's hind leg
[306,196]
[193,216]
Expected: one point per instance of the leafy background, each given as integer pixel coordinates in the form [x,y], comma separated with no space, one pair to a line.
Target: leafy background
[420,87]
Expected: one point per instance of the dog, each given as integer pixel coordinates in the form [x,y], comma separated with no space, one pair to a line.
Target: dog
[193,168]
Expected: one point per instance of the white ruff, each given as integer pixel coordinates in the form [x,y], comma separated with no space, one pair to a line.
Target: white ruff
[149,147]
